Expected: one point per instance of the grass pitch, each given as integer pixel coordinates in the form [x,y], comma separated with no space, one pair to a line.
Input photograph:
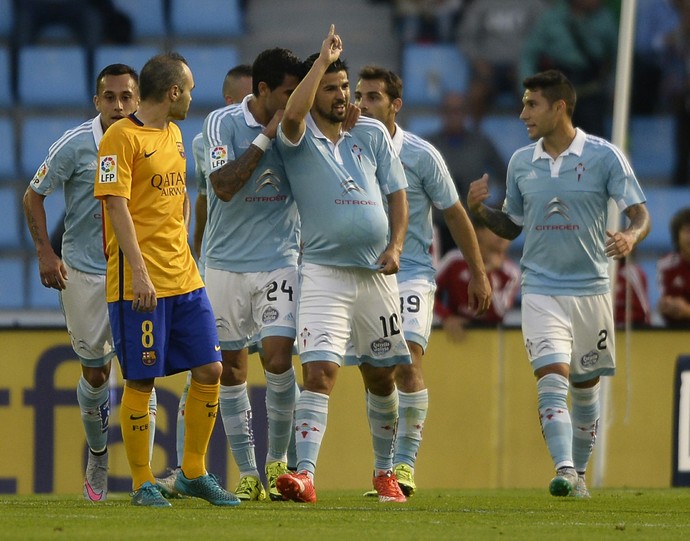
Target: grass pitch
[430,514]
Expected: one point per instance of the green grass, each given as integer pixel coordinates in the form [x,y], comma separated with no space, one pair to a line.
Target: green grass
[430,514]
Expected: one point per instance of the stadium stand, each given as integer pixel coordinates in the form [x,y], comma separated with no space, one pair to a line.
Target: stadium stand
[8,149]
[53,76]
[132,55]
[10,219]
[6,93]
[38,134]
[431,70]
[11,283]
[147,16]
[206,19]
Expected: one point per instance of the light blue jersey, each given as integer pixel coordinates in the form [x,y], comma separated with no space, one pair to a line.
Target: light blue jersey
[562,205]
[71,163]
[257,230]
[338,189]
[200,176]
[428,183]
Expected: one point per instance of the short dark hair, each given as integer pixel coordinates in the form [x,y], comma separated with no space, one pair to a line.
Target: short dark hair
[338,65]
[680,219]
[159,74]
[391,80]
[554,86]
[116,69]
[239,71]
[272,66]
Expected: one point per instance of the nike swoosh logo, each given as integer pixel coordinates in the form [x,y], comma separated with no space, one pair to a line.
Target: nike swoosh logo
[149,154]
[211,405]
[92,494]
[136,418]
[217,348]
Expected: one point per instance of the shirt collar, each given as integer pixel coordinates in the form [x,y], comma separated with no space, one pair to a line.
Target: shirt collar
[97,130]
[318,133]
[576,147]
[248,116]
[397,138]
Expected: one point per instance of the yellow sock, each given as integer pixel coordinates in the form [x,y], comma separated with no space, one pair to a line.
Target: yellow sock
[199,418]
[134,422]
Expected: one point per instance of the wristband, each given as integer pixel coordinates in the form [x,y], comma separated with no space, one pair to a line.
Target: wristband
[261,142]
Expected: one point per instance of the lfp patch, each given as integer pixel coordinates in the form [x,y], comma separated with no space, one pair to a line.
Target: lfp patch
[107,169]
[41,173]
[218,156]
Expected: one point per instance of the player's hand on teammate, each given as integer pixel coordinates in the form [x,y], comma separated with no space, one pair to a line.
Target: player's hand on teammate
[478,193]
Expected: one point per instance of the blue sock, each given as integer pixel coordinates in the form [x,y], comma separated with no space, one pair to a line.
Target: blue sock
[556,426]
[412,411]
[280,407]
[585,413]
[311,416]
[382,412]
[94,404]
[236,412]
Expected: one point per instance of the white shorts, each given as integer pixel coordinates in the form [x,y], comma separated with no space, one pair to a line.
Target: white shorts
[578,331]
[417,309]
[339,304]
[86,315]
[252,305]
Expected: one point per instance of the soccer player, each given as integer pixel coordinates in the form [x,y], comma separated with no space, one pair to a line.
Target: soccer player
[251,263]
[351,250]
[160,315]
[673,271]
[79,272]
[236,85]
[379,95]
[557,190]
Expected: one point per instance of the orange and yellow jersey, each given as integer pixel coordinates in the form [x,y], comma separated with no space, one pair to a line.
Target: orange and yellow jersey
[147,166]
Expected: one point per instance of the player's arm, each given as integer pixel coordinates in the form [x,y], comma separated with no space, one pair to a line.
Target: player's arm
[302,99]
[50,266]
[233,175]
[621,243]
[398,212]
[496,220]
[460,227]
[144,293]
[200,218]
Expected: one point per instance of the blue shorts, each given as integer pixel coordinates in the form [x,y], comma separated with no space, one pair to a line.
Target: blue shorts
[178,335]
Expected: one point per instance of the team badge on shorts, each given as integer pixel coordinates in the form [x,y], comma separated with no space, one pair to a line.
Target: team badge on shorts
[148,358]
[588,360]
[380,347]
[270,315]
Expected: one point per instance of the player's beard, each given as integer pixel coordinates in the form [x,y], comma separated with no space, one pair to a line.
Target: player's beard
[331,114]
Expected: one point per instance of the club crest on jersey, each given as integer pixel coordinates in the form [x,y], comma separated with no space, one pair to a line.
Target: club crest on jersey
[270,315]
[357,151]
[107,169]
[579,169]
[218,156]
[380,347]
[180,149]
[41,173]
[589,359]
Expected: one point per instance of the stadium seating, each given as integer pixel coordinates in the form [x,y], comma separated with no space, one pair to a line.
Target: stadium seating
[38,133]
[10,218]
[432,70]
[423,125]
[662,202]
[651,148]
[11,283]
[8,163]
[507,132]
[209,64]
[6,18]
[53,76]
[132,55]
[147,16]
[204,19]
[6,98]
